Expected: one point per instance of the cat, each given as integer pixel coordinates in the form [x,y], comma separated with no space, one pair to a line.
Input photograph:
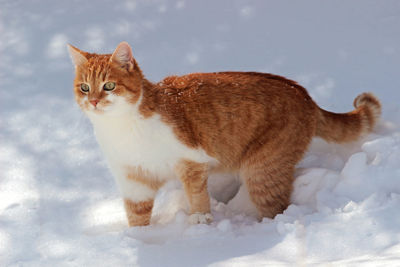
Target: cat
[257,125]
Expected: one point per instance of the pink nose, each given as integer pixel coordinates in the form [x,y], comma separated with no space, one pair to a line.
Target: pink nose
[94,102]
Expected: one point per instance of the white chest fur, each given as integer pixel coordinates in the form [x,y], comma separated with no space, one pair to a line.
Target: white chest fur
[130,140]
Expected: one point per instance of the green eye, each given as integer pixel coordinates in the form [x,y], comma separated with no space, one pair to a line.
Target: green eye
[84,87]
[109,86]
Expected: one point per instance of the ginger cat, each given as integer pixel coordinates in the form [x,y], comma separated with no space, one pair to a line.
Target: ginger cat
[256,124]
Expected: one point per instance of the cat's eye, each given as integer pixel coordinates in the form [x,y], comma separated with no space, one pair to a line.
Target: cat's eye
[109,86]
[84,87]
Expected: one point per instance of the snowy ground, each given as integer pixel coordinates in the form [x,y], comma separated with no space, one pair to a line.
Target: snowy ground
[58,202]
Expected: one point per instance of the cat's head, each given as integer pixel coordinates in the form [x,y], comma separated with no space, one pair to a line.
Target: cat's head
[106,84]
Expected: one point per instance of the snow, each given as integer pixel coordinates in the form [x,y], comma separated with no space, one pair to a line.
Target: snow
[59,205]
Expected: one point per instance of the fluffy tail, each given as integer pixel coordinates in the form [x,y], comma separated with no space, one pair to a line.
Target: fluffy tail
[347,127]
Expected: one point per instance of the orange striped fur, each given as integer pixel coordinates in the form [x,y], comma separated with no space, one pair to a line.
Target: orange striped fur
[139,175]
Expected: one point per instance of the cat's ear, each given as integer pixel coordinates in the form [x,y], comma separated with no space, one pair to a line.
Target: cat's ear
[123,56]
[77,56]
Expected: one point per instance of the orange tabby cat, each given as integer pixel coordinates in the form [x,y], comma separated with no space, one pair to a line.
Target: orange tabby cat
[255,124]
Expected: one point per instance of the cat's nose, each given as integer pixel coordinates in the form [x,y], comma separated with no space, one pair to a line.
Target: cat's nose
[94,102]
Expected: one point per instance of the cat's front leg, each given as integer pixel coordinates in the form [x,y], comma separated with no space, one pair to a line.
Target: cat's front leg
[138,191]
[138,202]
[194,179]
[138,213]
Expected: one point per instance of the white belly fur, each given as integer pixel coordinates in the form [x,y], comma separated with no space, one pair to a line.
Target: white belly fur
[130,140]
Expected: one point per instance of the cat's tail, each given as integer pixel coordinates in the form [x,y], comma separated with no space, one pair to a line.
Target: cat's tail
[347,127]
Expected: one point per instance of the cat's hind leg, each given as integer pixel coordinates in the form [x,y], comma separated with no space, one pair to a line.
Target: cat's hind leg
[269,183]
[194,176]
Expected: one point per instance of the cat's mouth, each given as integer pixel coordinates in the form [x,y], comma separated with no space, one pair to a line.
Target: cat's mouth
[95,109]
[100,108]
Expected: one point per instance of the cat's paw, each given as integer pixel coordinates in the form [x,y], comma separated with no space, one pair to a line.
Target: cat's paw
[204,218]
